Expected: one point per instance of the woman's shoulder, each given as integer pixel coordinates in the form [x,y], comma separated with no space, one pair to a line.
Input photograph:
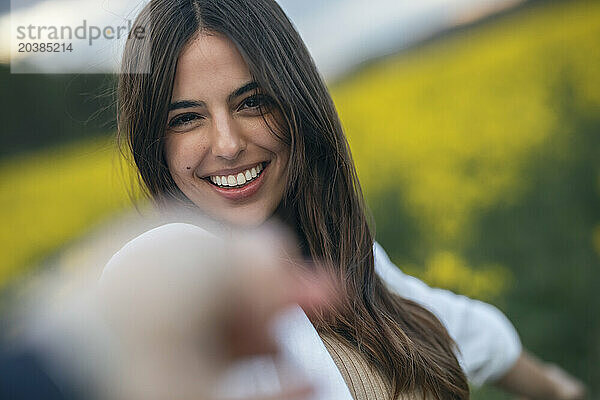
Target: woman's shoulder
[384,267]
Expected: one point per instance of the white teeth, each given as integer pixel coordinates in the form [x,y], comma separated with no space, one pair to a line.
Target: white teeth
[237,180]
[241,179]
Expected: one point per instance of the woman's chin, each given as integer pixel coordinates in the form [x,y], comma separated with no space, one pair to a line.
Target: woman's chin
[243,218]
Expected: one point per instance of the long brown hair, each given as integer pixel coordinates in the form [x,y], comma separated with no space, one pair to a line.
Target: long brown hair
[323,199]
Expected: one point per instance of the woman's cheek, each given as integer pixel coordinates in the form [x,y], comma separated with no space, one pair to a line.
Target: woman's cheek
[183,154]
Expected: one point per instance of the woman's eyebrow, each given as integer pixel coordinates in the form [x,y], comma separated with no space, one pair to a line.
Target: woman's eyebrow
[194,103]
[186,104]
[243,89]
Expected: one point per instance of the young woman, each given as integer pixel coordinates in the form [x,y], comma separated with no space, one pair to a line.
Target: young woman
[234,119]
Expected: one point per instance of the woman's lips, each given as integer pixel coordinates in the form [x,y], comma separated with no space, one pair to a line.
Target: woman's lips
[239,193]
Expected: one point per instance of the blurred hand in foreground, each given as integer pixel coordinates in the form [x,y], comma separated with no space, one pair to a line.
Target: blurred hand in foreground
[175,307]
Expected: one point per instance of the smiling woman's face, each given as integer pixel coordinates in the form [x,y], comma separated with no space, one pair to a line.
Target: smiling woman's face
[219,150]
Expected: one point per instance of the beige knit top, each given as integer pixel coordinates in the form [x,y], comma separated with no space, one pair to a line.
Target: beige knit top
[364,382]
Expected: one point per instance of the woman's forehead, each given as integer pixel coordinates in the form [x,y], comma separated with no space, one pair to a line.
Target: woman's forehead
[210,65]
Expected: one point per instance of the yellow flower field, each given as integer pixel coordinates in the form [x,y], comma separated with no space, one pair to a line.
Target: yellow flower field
[450,124]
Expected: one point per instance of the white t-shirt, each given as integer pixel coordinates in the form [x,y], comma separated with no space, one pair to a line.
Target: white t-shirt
[488,343]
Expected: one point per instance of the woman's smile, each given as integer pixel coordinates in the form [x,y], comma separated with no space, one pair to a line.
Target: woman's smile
[238,183]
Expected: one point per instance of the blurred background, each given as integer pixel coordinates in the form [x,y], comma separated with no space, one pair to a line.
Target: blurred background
[475,127]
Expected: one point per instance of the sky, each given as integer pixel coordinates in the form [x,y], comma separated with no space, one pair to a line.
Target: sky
[339,33]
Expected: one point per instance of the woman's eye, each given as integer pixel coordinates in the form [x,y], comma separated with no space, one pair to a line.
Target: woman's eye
[255,102]
[185,121]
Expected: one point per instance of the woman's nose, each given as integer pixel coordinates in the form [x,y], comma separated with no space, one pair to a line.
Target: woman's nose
[228,141]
